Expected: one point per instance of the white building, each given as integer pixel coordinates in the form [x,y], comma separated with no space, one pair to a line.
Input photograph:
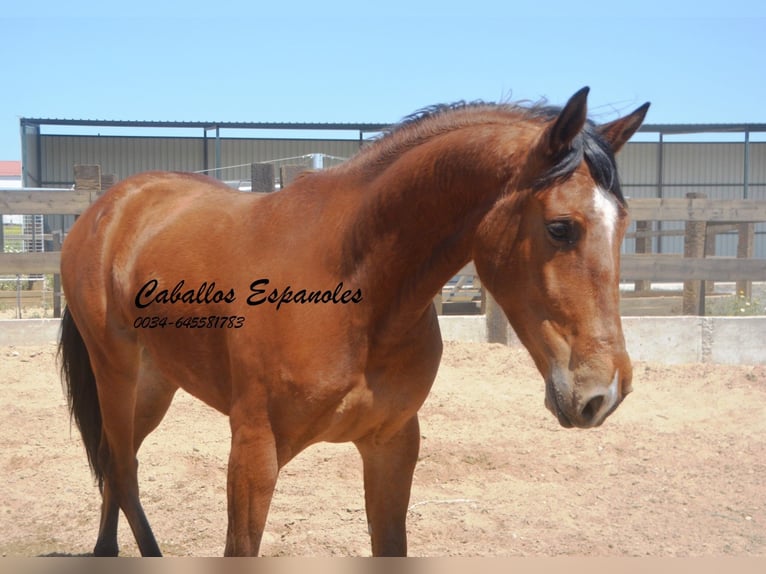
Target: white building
[10,176]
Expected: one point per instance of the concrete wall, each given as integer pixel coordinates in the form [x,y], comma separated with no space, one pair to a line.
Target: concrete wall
[21,332]
[665,340]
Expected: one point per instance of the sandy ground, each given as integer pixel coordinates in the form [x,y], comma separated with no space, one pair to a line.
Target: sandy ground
[678,470]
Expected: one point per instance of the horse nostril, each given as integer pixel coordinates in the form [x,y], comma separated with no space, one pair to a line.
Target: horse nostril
[591,408]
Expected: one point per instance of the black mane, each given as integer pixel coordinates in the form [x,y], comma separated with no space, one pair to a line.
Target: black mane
[438,109]
[588,145]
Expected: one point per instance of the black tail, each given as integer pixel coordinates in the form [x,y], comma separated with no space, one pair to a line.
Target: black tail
[82,396]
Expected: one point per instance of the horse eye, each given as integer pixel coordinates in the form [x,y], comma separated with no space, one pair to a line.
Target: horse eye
[562,231]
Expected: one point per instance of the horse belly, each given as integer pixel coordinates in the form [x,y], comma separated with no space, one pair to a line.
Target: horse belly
[386,398]
[195,365]
[361,415]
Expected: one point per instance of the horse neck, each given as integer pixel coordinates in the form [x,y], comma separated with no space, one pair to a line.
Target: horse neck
[417,218]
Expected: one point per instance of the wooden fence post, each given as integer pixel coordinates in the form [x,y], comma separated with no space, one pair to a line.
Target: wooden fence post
[643,245]
[287,173]
[439,303]
[262,177]
[745,249]
[87,178]
[497,324]
[107,181]
[694,246]
[57,237]
[711,235]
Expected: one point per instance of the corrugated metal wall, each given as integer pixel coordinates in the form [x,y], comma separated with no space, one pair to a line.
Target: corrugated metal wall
[637,163]
[30,156]
[121,156]
[716,169]
[124,156]
[757,172]
[242,152]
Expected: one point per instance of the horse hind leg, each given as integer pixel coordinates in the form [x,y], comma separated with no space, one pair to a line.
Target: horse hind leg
[106,543]
[118,457]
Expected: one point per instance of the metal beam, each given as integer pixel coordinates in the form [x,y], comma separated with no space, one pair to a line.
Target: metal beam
[357,126]
[326,126]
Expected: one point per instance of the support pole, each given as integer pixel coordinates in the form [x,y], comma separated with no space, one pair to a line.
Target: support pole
[694,247]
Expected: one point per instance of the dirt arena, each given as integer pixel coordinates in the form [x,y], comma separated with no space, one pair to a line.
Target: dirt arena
[678,470]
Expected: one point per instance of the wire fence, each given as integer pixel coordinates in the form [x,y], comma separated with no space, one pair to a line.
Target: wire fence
[237,176]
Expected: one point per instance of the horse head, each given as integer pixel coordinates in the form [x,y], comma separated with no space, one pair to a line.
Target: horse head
[549,252]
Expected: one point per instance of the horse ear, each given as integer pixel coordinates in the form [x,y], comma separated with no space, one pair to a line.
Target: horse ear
[618,132]
[560,134]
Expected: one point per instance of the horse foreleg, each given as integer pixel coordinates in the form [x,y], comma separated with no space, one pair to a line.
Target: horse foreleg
[388,470]
[252,476]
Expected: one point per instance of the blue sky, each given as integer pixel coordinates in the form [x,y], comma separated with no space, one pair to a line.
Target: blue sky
[323,61]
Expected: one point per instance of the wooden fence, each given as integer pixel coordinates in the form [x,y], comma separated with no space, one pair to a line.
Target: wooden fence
[698,265]
[698,268]
[89,184]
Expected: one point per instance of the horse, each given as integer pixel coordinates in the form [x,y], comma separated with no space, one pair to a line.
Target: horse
[307,315]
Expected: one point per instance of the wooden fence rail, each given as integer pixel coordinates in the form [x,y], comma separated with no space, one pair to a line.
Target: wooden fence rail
[702,217]
[698,209]
[699,267]
[24,202]
[29,263]
[663,268]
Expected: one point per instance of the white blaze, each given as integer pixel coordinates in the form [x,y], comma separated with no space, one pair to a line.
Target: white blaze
[605,208]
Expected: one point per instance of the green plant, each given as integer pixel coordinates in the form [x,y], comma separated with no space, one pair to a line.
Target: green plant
[738,305]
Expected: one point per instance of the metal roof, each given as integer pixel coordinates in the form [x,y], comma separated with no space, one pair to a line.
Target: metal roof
[335,126]
[355,126]
[702,128]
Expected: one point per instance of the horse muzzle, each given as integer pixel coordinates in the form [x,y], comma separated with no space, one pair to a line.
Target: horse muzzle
[586,409]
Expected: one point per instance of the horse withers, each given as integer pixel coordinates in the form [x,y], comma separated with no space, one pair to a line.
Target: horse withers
[306,315]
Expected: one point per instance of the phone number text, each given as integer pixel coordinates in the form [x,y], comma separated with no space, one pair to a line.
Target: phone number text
[207,322]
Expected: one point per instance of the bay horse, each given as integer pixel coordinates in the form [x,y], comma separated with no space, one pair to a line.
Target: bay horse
[307,315]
